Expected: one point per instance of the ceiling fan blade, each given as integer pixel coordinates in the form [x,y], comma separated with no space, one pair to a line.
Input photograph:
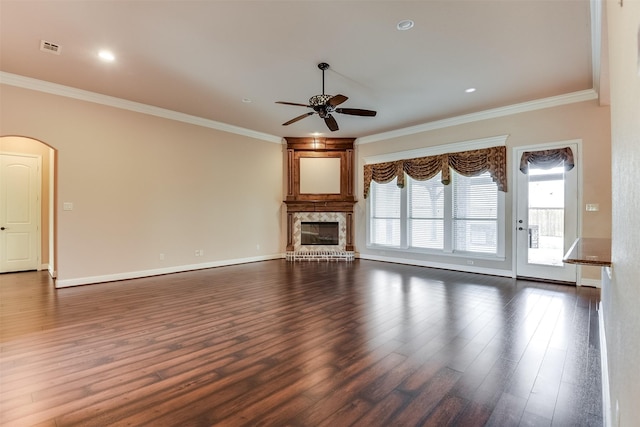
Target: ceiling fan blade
[300,117]
[336,100]
[292,103]
[356,112]
[331,123]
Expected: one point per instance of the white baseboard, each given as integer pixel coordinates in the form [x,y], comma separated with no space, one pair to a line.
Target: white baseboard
[49,268]
[593,283]
[64,283]
[604,366]
[444,266]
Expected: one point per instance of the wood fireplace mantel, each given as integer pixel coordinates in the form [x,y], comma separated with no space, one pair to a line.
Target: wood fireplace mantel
[319,206]
[296,201]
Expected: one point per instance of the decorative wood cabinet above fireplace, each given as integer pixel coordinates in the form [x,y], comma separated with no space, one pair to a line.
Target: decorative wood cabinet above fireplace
[320,178]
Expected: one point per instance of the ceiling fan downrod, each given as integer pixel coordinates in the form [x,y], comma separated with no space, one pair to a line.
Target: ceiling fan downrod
[323,66]
[320,100]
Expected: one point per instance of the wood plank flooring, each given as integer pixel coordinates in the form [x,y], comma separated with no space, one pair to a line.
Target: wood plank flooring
[299,344]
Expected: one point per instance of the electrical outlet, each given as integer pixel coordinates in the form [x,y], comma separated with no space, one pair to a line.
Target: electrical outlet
[470,262]
[258,247]
[197,252]
[161,257]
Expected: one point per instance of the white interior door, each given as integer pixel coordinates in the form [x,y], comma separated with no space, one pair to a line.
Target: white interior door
[19,213]
[546,220]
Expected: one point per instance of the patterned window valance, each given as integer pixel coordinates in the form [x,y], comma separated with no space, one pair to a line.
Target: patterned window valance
[547,159]
[467,163]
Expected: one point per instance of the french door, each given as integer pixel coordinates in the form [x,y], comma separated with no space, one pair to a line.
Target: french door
[546,218]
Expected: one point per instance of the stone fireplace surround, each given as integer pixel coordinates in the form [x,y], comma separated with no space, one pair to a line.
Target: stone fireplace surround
[319,252]
[320,207]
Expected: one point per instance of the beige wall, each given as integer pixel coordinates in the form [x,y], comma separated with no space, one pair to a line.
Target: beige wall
[586,121]
[142,185]
[20,145]
[621,300]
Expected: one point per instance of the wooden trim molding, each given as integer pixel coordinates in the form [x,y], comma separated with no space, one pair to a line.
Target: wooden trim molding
[341,148]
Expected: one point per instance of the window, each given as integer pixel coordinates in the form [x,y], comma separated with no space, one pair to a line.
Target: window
[463,217]
[385,214]
[426,213]
[475,214]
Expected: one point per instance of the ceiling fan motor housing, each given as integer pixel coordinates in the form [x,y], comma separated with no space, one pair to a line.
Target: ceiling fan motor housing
[317,100]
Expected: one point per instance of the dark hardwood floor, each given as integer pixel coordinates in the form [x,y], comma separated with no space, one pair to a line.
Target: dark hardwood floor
[301,344]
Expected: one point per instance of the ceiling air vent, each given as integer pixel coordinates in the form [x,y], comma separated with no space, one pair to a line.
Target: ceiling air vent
[46,46]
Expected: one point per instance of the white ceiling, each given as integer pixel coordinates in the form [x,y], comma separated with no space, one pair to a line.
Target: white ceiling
[203,57]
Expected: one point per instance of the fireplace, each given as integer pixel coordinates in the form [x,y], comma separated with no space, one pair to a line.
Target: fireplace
[320,198]
[319,233]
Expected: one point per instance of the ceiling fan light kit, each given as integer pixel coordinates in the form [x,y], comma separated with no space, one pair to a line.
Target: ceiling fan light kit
[325,104]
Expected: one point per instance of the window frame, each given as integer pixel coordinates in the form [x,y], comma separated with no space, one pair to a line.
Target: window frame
[448,249]
[449,221]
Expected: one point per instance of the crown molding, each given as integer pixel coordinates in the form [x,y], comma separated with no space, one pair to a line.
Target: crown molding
[539,104]
[84,95]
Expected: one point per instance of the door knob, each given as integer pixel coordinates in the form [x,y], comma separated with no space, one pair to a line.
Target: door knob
[2,228]
[520,228]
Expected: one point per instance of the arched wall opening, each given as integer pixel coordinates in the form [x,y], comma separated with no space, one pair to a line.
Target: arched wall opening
[21,145]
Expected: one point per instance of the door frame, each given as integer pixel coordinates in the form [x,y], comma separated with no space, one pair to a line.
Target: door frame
[23,145]
[39,206]
[516,170]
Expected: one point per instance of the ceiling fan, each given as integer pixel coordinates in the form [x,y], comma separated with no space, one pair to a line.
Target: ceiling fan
[324,105]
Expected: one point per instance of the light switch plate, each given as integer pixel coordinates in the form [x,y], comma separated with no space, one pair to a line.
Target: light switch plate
[592,207]
[67,206]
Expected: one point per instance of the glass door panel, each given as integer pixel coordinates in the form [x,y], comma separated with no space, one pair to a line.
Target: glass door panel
[546,216]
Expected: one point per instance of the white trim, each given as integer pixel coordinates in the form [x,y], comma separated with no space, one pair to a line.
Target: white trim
[593,283]
[83,95]
[539,104]
[70,92]
[160,271]
[444,266]
[604,367]
[455,147]
[52,212]
[595,7]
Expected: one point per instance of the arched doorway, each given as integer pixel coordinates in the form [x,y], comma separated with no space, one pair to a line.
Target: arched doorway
[44,156]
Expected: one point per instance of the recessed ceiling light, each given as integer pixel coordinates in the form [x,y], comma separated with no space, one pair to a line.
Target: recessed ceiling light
[247,100]
[470,90]
[105,55]
[405,24]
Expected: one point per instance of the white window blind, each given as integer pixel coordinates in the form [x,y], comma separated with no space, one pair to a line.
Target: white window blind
[385,218]
[475,214]
[426,213]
